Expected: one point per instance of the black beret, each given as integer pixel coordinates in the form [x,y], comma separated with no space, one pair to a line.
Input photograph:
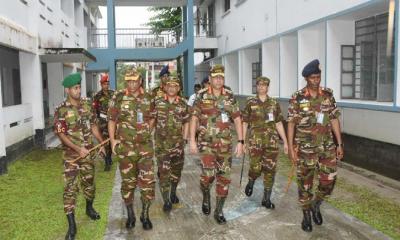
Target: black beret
[311,68]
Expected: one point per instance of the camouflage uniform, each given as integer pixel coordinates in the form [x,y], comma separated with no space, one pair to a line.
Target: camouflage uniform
[215,115]
[263,137]
[135,152]
[171,118]
[157,92]
[75,122]
[100,104]
[314,139]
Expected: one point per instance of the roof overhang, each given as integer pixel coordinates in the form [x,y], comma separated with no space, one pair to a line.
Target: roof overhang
[66,55]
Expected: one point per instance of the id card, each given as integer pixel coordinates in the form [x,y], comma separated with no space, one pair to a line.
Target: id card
[320,118]
[103,116]
[139,117]
[224,117]
[270,116]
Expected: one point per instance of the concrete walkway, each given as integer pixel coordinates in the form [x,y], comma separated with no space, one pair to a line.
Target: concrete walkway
[246,218]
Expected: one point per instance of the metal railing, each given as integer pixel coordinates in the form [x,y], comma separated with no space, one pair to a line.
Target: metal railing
[137,37]
[204,27]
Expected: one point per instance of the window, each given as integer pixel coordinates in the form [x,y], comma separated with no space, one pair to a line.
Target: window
[368,67]
[227,5]
[255,73]
[10,77]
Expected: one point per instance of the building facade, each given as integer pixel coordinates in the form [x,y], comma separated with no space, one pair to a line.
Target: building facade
[356,43]
[30,74]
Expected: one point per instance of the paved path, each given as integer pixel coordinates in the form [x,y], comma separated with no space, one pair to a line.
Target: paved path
[246,218]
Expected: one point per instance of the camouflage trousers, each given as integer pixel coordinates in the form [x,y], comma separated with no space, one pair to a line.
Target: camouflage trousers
[323,163]
[137,169]
[263,160]
[78,173]
[216,161]
[170,165]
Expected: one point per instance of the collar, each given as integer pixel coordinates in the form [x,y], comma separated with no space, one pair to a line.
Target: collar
[308,94]
[141,92]
[210,91]
[177,98]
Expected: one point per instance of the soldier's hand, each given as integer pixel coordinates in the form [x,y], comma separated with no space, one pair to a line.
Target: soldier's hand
[193,147]
[339,153]
[83,152]
[114,143]
[292,155]
[239,150]
[103,151]
[285,148]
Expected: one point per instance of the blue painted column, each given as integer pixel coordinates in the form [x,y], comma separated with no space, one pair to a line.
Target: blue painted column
[189,53]
[111,41]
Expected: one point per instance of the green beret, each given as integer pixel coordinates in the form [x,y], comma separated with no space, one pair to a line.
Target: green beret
[72,80]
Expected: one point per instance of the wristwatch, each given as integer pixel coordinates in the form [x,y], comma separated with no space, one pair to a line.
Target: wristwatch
[339,145]
[241,141]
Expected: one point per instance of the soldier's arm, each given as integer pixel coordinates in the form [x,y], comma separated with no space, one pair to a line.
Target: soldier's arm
[336,130]
[192,133]
[96,132]
[67,142]
[281,132]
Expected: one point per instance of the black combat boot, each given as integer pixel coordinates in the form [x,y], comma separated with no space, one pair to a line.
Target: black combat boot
[206,206]
[167,203]
[144,217]
[90,210]
[249,188]
[130,222]
[266,202]
[108,163]
[174,198]
[316,212]
[218,214]
[71,227]
[306,223]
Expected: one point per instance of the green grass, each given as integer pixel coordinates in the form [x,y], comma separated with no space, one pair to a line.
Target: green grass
[377,211]
[31,204]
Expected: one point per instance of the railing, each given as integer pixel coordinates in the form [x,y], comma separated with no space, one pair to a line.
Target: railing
[204,27]
[137,37]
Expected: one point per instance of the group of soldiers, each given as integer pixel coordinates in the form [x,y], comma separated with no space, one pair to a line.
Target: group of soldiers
[141,125]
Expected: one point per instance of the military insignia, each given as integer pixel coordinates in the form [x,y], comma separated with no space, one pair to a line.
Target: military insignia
[70,114]
[305,104]
[126,106]
[208,101]
[254,107]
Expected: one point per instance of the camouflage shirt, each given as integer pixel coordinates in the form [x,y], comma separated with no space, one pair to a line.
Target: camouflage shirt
[215,114]
[75,122]
[157,92]
[100,103]
[170,118]
[312,117]
[262,116]
[132,116]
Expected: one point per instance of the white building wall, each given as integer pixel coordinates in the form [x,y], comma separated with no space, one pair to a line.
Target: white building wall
[243,25]
[288,65]
[231,71]
[397,19]
[31,86]
[311,45]
[270,64]
[290,16]
[55,76]
[246,58]
[377,125]
[339,32]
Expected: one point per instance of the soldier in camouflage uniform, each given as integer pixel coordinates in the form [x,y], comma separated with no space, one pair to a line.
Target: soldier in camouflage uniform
[131,119]
[312,117]
[172,127]
[74,123]
[213,111]
[100,104]
[164,75]
[263,116]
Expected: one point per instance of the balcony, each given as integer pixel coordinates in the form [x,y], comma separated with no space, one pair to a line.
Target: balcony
[137,37]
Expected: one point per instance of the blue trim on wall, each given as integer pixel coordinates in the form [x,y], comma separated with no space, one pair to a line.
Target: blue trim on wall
[189,53]
[111,23]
